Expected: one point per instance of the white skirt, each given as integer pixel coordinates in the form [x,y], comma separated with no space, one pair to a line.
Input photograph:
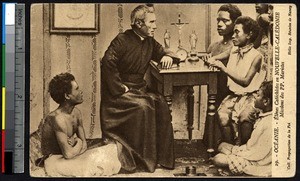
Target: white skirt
[101,161]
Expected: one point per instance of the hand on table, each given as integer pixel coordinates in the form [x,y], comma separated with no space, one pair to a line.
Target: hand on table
[166,62]
[218,64]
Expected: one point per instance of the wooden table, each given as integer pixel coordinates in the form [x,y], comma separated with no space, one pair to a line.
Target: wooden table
[188,74]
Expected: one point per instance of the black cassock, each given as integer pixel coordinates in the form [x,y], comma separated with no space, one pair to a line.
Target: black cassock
[139,120]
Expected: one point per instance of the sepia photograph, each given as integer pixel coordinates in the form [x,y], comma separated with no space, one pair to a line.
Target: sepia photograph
[168,90]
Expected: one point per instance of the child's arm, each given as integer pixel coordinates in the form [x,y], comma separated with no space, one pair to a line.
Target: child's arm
[60,129]
[80,132]
[222,56]
[243,81]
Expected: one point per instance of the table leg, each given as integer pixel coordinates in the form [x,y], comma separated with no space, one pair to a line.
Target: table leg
[190,106]
[168,100]
[211,111]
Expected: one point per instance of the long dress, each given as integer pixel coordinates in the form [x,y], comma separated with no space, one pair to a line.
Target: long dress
[138,120]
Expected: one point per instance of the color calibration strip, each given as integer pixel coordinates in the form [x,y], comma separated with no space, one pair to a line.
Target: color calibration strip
[3,91]
[13,80]
[8,86]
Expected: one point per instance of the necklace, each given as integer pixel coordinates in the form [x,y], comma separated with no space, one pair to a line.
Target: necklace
[226,40]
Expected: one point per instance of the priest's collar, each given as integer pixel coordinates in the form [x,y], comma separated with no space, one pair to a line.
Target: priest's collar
[142,38]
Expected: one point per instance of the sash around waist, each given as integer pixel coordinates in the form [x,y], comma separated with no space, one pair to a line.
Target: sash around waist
[132,78]
[133,81]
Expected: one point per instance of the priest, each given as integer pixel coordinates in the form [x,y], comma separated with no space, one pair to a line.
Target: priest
[138,120]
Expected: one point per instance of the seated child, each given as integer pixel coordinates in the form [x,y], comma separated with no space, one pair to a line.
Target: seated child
[245,75]
[63,142]
[254,157]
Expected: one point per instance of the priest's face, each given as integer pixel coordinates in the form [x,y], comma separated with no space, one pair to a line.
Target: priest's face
[225,24]
[149,26]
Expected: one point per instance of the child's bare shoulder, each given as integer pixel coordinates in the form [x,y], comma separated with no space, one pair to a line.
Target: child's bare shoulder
[51,116]
[56,121]
[77,112]
[212,46]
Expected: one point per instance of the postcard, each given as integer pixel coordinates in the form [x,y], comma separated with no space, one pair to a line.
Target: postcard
[163,90]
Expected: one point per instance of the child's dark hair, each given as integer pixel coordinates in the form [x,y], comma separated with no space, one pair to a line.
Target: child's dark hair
[233,10]
[267,90]
[60,85]
[249,25]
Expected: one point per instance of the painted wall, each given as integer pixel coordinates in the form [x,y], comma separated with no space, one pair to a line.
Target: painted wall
[52,54]
[80,54]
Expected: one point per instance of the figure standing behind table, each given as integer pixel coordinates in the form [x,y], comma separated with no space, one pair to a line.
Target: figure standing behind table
[261,8]
[227,14]
[266,48]
[138,120]
[245,75]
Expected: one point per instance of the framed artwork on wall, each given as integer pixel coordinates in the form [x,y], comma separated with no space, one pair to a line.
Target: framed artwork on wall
[74,18]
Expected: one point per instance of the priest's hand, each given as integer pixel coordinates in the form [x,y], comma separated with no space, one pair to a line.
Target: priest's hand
[166,62]
[126,88]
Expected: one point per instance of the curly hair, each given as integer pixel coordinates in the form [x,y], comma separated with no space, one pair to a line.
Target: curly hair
[233,10]
[267,90]
[60,85]
[249,25]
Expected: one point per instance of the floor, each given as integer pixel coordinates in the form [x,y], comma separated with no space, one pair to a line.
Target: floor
[187,154]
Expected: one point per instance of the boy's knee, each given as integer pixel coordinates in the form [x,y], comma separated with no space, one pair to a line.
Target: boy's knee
[246,126]
[225,148]
[248,114]
[221,146]
[246,129]
[224,118]
[220,160]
